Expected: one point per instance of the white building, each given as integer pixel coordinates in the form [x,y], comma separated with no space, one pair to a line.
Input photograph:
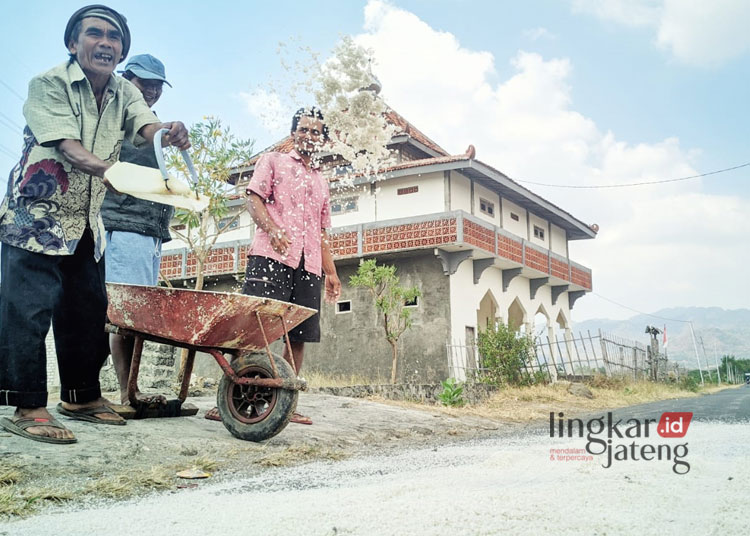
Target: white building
[481,247]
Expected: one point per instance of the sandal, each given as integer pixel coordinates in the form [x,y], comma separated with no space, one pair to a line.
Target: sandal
[19,427]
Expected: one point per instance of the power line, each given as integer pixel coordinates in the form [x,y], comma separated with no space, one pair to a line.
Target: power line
[8,125]
[10,120]
[641,312]
[627,185]
[16,93]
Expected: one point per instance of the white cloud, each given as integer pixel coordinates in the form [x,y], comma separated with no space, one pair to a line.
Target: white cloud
[267,108]
[535,34]
[694,31]
[658,245]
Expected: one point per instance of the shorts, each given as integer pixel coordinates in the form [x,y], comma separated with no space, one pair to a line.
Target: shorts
[132,258]
[268,278]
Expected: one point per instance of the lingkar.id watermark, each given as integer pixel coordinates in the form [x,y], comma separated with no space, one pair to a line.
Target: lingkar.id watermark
[603,436]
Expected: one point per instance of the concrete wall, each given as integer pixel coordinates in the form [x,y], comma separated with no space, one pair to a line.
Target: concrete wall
[558,240]
[366,204]
[460,192]
[430,197]
[466,299]
[519,227]
[480,192]
[354,343]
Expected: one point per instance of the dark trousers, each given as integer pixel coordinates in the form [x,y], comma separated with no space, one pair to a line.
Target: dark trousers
[67,290]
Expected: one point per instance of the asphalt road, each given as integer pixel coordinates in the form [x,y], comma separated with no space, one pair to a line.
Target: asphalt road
[517,482]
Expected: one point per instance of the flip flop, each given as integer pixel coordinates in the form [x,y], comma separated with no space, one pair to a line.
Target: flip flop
[300,419]
[213,415]
[19,427]
[89,414]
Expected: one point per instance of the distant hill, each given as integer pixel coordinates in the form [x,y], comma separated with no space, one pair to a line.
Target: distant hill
[724,331]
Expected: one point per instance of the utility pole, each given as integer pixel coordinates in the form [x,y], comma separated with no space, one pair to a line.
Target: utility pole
[716,360]
[695,347]
[708,367]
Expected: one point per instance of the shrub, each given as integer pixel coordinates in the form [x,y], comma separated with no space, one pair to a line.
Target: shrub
[504,356]
[452,394]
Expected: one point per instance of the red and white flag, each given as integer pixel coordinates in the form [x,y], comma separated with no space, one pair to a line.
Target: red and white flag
[664,338]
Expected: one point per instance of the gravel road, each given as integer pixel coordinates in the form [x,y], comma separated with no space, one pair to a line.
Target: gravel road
[512,482]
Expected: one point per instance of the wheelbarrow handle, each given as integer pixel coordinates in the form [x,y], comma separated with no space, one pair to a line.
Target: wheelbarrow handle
[160,159]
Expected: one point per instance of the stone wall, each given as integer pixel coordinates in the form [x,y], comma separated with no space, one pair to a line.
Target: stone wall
[354,343]
[425,393]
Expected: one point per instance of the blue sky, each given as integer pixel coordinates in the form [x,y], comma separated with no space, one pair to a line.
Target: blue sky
[577,93]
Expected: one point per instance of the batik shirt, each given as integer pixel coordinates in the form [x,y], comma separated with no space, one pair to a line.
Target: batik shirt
[298,201]
[49,203]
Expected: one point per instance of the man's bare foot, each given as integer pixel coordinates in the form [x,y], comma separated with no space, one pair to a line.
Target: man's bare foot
[99,402]
[148,399]
[41,430]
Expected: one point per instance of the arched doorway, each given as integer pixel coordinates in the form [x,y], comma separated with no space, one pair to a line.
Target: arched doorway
[517,316]
[487,312]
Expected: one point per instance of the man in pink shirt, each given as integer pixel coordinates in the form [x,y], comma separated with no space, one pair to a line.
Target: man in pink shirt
[288,199]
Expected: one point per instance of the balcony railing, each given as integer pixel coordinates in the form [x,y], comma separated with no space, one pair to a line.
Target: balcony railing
[443,229]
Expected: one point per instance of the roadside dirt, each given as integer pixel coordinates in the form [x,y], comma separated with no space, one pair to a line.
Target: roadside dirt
[122,461]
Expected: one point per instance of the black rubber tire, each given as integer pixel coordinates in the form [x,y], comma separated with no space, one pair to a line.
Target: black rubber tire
[276,405]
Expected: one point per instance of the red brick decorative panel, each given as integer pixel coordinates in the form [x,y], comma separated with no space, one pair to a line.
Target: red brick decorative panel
[580,277]
[480,236]
[343,244]
[559,268]
[244,251]
[410,235]
[171,266]
[537,260]
[220,261]
[508,248]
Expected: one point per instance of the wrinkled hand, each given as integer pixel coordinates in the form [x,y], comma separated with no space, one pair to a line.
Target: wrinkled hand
[333,288]
[280,241]
[177,136]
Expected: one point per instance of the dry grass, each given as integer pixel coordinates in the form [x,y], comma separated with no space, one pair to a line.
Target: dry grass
[10,474]
[318,379]
[18,501]
[523,404]
[128,483]
[298,454]
[205,464]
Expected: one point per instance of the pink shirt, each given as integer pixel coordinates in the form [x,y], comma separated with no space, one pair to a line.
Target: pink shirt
[297,200]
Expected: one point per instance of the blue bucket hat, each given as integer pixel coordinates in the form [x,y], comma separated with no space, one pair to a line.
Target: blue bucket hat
[147,67]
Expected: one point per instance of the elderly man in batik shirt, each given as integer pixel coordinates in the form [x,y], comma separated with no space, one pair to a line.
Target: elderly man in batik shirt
[77,115]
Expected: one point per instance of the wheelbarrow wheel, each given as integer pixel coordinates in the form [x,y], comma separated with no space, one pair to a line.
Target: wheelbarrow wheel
[256,413]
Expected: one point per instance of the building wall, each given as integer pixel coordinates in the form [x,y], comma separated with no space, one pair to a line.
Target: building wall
[354,343]
[535,220]
[558,240]
[480,192]
[366,206]
[460,192]
[519,227]
[428,199]
[466,297]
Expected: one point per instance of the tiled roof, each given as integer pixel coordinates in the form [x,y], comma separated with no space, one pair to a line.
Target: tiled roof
[404,127]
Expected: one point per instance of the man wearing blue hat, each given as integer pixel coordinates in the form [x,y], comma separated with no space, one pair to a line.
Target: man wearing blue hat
[136,228]
[77,116]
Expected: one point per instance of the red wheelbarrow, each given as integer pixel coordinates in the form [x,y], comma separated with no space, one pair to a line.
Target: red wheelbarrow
[259,390]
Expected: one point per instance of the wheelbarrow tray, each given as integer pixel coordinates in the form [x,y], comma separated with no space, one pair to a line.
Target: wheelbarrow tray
[222,320]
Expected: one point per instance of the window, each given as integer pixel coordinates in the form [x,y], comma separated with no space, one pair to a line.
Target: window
[514,216]
[538,232]
[227,221]
[409,190]
[343,307]
[342,205]
[486,207]
[412,303]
